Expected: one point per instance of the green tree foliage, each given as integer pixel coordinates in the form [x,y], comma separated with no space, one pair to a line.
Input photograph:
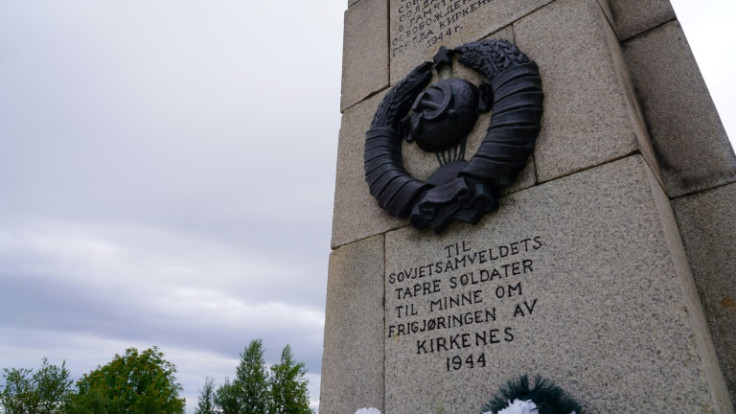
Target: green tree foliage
[18,396]
[256,390]
[226,398]
[44,392]
[289,394]
[134,383]
[206,401]
[251,380]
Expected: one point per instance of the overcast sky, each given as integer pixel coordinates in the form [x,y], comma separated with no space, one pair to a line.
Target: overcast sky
[167,175]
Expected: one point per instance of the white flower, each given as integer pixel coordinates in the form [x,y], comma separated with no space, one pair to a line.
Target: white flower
[518,407]
[368,410]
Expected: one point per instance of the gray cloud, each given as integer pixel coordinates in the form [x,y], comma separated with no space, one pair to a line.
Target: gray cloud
[167,172]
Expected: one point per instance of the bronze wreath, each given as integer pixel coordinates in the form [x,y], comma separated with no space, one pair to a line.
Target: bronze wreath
[517,111]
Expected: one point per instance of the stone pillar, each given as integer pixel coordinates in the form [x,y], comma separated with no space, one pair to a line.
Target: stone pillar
[608,267]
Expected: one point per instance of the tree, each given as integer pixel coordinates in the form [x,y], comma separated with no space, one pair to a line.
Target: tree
[135,383]
[226,398]
[257,390]
[44,392]
[251,380]
[288,387]
[206,401]
[18,395]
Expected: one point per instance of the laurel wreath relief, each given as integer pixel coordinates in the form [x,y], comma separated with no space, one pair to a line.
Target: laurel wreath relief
[516,89]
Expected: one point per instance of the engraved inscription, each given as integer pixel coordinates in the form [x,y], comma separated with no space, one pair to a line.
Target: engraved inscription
[464,302]
[428,22]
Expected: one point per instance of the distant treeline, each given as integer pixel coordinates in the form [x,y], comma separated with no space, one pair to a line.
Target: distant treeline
[145,383]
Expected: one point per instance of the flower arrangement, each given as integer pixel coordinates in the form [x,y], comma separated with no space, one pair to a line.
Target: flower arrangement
[519,397]
[368,410]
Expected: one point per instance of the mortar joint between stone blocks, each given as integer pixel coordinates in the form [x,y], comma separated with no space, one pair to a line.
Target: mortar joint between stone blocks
[646,32]
[705,190]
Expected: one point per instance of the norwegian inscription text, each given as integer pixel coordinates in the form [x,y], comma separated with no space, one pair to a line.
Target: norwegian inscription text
[463,302]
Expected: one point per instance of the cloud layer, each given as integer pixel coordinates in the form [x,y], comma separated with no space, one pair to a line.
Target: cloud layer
[167,172]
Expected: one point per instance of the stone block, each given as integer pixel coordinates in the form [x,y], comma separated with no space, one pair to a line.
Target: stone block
[581,280]
[708,223]
[590,114]
[356,213]
[634,17]
[419,28]
[690,142]
[352,362]
[351,2]
[364,51]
